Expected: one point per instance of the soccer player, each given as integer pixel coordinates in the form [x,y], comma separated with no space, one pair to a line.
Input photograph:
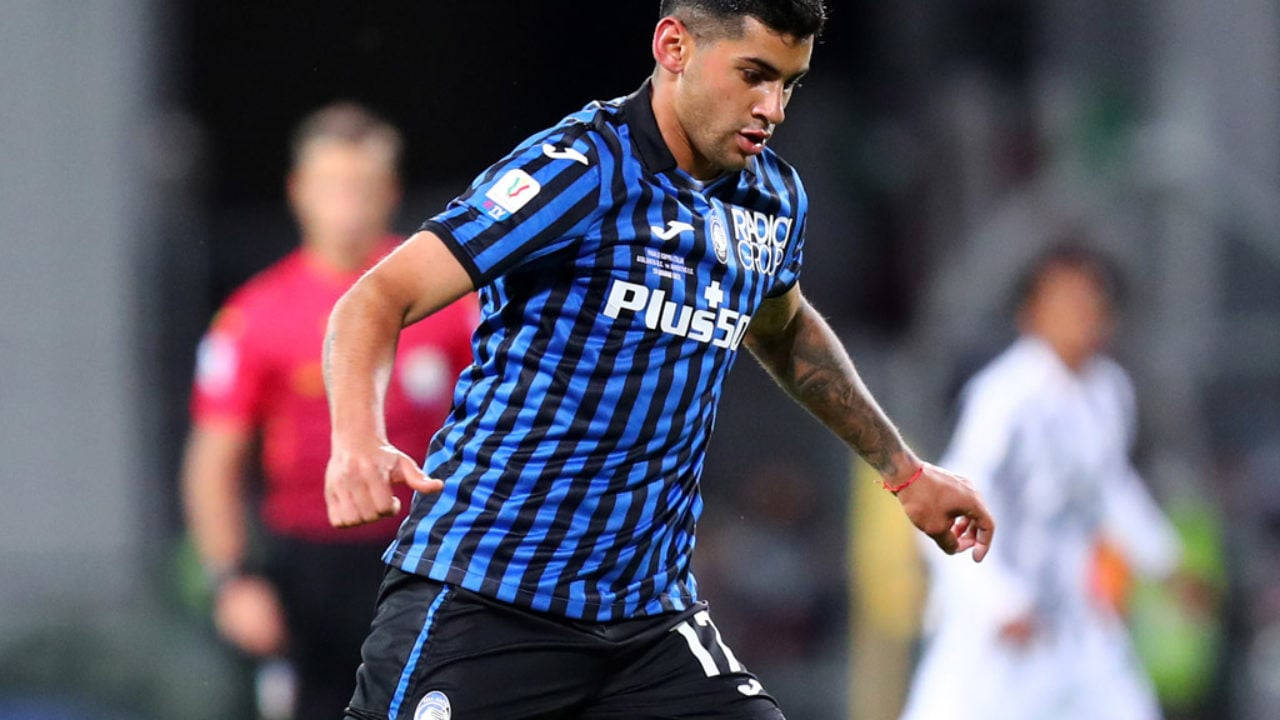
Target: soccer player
[259,370]
[1045,432]
[623,257]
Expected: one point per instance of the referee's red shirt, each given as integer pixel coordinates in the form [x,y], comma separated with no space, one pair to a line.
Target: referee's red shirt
[258,367]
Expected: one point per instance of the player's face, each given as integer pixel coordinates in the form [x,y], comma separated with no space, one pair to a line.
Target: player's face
[344,192]
[734,92]
[1070,310]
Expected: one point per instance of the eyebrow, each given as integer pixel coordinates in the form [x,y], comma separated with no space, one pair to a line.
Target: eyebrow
[769,68]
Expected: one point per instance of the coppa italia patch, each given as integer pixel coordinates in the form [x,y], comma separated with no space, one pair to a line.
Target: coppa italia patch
[511,192]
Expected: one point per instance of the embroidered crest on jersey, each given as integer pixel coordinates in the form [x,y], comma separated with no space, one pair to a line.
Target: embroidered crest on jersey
[718,233]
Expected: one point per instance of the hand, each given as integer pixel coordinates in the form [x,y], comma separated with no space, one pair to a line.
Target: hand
[357,483]
[247,613]
[947,508]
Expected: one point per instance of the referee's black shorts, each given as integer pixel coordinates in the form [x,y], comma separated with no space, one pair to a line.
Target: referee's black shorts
[436,652]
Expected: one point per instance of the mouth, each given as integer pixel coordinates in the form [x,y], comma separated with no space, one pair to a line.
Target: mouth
[752,141]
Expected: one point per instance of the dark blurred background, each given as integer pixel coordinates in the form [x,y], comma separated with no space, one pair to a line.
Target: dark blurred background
[142,152]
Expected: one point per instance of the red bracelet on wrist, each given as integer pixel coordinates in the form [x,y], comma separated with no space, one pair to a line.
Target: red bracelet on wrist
[895,489]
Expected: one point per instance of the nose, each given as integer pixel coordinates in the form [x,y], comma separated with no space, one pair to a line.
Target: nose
[771,107]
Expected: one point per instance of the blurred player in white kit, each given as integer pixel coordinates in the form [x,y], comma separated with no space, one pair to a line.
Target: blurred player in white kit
[1044,434]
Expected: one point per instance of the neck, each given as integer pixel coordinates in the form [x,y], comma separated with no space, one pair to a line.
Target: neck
[673,133]
[1072,358]
[341,255]
[1073,361]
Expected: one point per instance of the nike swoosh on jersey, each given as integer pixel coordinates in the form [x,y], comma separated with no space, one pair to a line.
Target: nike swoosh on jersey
[674,228]
[566,154]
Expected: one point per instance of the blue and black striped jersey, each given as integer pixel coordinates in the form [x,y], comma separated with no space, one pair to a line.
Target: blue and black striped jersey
[615,291]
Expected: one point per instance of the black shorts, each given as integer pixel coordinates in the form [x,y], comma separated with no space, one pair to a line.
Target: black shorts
[436,651]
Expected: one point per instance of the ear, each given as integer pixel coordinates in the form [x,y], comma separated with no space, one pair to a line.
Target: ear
[672,44]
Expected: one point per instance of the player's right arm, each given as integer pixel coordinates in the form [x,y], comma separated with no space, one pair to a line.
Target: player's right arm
[419,278]
[798,348]
[537,201]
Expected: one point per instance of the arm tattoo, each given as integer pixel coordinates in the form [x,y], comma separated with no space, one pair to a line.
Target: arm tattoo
[809,362]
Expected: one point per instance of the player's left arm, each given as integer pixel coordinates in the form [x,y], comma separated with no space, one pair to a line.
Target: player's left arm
[797,347]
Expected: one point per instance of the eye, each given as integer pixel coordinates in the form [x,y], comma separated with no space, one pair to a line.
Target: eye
[752,76]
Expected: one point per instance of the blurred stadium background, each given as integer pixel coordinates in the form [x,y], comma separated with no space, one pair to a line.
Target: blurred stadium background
[142,149]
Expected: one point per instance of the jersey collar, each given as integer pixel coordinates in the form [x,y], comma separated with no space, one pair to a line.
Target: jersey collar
[637,111]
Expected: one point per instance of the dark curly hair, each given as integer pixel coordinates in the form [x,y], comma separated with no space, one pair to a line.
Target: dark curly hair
[798,18]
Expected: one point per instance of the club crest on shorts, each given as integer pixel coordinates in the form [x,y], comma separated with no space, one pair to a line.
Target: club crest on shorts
[433,706]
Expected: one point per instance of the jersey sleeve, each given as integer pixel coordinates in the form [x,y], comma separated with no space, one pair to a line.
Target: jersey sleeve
[538,200]
[789,270]
[230,374]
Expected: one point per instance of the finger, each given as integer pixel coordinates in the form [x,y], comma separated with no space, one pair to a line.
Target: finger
[384,502]
[986,530]
[970,532]
[331,506]
[341,513]
[343,506]
[335,502]
[961,530]
[353,511]
[407,472]
[426,485]
[361,505]
[947,541]
[981,544]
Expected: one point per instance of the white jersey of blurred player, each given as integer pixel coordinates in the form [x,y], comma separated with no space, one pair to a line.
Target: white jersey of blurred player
[1048,448]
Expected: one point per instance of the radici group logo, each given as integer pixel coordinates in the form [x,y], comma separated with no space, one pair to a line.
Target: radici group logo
[762,239]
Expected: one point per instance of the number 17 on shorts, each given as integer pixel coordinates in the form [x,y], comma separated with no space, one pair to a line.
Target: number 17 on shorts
[716,659]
